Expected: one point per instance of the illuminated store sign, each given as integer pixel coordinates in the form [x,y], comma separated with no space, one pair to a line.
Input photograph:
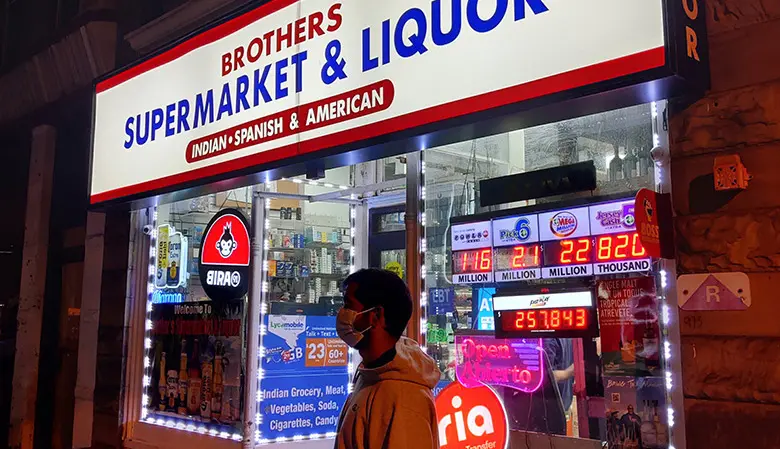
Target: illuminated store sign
[517,364]
[471,418]
[171,265]
[294,77]
[224,259]
[568,314]
[595,240]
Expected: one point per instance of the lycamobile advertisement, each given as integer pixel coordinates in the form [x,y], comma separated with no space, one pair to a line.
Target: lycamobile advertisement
[305,376]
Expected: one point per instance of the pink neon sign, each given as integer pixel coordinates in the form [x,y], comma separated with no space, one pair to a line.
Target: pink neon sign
[485,360]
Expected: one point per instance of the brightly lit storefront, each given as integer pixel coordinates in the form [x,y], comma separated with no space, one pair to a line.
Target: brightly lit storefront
[488,152]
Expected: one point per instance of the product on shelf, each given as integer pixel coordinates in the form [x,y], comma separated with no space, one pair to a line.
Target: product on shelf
[183,380]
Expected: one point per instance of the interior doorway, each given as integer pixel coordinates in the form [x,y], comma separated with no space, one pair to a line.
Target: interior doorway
[387,239]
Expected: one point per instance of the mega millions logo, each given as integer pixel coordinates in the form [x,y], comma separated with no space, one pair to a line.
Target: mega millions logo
[563,224]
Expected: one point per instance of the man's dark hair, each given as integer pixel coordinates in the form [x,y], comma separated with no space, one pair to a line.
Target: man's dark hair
[383,288]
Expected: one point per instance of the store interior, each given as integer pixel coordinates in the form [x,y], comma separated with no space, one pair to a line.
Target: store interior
[319,230]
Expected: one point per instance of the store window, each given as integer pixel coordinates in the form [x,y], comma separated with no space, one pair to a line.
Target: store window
[195,338]
[304,369]
[618,142]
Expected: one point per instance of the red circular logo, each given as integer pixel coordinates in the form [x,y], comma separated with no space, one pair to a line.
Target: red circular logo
[471,418]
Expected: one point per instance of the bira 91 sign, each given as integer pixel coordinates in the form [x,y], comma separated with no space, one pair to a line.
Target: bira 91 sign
[225,255]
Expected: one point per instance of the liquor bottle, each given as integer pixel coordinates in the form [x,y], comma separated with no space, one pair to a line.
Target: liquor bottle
[162,388]
[206,371]
[173,390]
[616,166]
[630,164]
[662,432]
[650,345]
[193,393]
[648,428]
[219,387]
[228,415]
[183,379]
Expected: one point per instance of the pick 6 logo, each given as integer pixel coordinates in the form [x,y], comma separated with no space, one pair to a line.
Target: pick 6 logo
[224,259]
[471,418]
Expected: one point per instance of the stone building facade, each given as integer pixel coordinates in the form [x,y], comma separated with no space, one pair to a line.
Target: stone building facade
[731,360]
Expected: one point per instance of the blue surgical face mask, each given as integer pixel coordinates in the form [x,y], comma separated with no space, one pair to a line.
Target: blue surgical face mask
[345,326]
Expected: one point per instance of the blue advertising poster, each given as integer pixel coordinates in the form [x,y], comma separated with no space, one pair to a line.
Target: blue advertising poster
[442,300]
[305,376]
[482,309]
[442,384]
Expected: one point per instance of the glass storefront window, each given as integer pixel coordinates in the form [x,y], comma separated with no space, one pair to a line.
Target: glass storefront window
[619,144]
[308,254]
[195,345]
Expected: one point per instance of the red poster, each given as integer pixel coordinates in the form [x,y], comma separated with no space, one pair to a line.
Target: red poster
[653,213]
[630,332]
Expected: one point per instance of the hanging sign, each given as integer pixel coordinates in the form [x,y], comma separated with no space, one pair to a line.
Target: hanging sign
[225,254]
[654,223]
[484,359]
[471,418]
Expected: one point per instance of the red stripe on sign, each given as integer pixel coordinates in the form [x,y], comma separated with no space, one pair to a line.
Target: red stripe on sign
[616,68]
[338,108]
[200,40]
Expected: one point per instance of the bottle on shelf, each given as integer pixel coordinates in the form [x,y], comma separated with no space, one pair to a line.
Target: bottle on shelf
[173,390]
[662,432]
[206,373]
[648,427]
[219,387]
[162,386]
[650,346]
[193,392]
[616,166]
[183,380]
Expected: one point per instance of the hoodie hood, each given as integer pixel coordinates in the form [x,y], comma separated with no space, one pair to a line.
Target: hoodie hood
[410,364]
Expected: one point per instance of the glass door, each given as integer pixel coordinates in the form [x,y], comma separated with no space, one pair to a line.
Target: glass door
[387,239]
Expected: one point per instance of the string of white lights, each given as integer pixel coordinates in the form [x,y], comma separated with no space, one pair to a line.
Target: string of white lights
[422,251]
[666,322]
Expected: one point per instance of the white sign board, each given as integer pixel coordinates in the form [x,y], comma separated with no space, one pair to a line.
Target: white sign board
[294,77]
[543,301]
[471,236]
[713,291]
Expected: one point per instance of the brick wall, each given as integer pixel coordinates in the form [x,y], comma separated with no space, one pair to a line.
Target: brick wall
[731,360]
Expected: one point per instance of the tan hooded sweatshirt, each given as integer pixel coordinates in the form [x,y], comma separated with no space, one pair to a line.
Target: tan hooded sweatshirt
[391,407]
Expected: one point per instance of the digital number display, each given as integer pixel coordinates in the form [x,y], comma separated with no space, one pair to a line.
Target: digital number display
[518,257]
[472,261]
[546,320]
[619,247]
[568,252]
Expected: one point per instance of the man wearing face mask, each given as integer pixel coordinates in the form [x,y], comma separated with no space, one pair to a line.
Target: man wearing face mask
[391,405]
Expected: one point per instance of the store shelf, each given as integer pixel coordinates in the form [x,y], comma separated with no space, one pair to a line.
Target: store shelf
[317,245]
[313,275]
